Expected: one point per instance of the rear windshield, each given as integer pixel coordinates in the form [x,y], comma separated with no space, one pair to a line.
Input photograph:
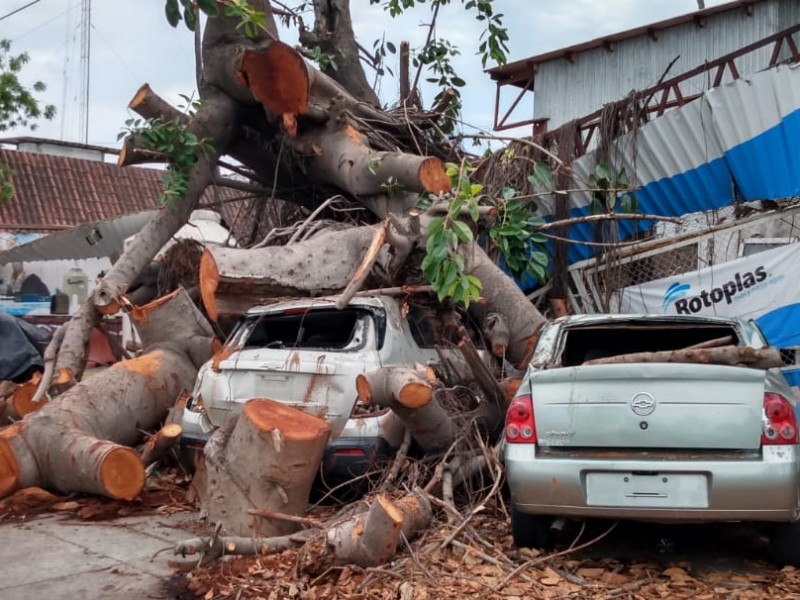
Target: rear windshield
[304,329]
[587,343]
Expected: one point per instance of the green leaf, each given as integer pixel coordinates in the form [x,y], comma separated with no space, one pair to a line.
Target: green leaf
[474,212]
[209,7]
[463,231]
[622,179]
[542,177]
[173,12]
[391,47]
[603,173]
[189,14]
[540,258]
[435,225]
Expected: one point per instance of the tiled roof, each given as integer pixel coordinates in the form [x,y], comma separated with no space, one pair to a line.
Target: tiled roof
[53,192]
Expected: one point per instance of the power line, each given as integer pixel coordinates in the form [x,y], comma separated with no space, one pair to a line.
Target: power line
[20,9]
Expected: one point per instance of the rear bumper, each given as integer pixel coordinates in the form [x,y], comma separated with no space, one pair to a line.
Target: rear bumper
[763,489]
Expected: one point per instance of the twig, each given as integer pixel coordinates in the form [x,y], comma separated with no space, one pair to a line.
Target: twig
[268,514]
[431,28]
[598,244]
[541,559]
[365,268]
[397,463]
[524,142]
[50,354]
[482,506]
[312,216]
[606,217]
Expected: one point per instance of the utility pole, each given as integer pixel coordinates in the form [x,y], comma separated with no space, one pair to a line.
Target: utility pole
[86,47]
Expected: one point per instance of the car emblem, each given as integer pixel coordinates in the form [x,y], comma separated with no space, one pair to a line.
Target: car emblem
[643,404]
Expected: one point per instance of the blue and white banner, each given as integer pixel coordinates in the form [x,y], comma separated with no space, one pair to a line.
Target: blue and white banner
[763,287]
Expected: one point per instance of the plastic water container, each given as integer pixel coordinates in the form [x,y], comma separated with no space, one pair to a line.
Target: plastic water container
[76,282]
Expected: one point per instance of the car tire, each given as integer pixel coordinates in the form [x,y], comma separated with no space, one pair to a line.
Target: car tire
[785,544]
[530,531]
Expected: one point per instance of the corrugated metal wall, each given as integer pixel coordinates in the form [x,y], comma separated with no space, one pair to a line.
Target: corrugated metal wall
[566,91]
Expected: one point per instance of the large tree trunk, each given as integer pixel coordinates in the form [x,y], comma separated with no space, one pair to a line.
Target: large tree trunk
[267,458]
[233,280]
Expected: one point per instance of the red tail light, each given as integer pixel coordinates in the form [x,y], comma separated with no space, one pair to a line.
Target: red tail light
[520,424]
[780,421]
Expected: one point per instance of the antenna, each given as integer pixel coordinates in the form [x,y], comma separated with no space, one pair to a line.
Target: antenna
[86,44]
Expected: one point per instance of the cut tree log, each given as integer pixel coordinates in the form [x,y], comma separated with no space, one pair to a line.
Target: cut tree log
[369,537]
[80,443]
[233,280]
[756,358]
[266,458]
[411,388]
[340,154]
[161,442]
[409,395]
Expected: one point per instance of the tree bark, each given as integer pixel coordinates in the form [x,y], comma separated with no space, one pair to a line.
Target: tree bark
[340,154]
[371,538]
[266,458]
[234,280]
[333,34]
[409,395]
[411,388]
[504,297]
[161,442]
[79,444]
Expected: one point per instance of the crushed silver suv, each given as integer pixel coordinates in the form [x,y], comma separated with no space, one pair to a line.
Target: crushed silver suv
[652,441]
[307,353]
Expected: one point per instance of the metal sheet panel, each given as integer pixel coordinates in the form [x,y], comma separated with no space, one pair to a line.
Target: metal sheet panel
[738,137]
[568,90]
[91,240]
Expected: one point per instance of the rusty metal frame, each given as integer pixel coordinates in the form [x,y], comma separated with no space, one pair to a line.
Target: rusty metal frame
[662,96]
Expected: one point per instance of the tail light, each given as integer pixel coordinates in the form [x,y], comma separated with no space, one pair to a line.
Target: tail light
[780,421]
[520,424]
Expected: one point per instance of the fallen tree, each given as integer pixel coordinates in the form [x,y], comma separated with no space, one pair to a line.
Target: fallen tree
[82,442]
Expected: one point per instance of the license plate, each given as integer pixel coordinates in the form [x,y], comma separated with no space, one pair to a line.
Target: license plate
[660,490]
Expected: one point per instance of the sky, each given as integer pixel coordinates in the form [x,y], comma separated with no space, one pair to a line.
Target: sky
[131,43]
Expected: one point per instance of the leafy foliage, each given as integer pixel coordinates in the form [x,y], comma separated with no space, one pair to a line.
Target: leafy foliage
[605,188]
[179,147]
[18,105]
[494,39]
[444,265]
[513,232]
[436,55]
[250,20]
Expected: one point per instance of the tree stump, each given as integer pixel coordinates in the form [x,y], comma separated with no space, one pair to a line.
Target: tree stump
[267,458]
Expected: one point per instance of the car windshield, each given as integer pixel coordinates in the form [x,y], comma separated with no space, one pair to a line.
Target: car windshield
[326,328]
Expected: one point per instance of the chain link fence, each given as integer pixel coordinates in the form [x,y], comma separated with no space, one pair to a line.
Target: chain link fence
[699,240]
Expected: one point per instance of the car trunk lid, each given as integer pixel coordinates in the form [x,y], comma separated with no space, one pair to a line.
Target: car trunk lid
[649,406]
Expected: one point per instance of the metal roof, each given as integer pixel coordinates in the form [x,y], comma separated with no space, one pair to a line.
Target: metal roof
[519,72]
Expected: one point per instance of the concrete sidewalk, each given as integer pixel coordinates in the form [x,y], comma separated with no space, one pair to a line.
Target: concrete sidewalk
[54,558]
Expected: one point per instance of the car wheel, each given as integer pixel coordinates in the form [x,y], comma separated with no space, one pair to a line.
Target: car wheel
[529,531]
[785,544]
